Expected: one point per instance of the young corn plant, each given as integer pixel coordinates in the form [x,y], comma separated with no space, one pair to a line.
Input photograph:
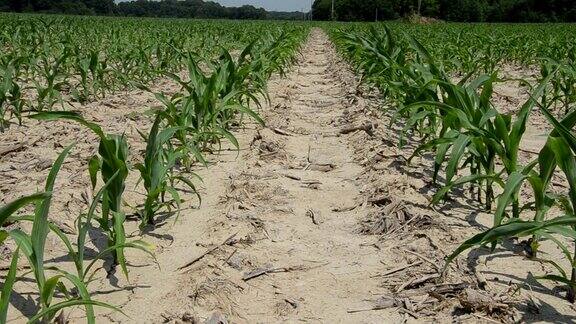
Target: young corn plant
[204,111]
[507,139]
[248,75]
[5,213]
[478,134]
[87,68]
[84,223]
[12,102]
[157,172]
[467,134]
[277,54]
[53,79]
[421,81]
[48,280]
[112,165]
[562,83]
[557,153]
[541,180]
[380,58]
[563,225]
[563,145]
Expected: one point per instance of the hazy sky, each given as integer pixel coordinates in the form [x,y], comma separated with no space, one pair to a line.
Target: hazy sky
[278,5]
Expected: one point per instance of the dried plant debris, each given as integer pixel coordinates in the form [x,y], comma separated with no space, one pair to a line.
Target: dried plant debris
[474,300]
[395,216]
[215,293]
[183,318]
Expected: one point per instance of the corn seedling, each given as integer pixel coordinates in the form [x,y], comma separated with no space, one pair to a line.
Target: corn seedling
[5,213]
[157,171]
[111,163]
[204,111]
[49,90]
[11,101]
[33,247]
[562,83]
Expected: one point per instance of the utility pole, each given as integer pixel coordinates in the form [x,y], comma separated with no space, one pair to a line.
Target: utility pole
[419,6]
[376,14]
[311,10]
[333,15]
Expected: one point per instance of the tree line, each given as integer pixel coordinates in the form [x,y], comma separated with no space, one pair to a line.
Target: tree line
[145,8]
[344,10]
[450,10]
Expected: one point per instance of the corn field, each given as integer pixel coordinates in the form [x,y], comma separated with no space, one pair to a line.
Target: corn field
[438,83]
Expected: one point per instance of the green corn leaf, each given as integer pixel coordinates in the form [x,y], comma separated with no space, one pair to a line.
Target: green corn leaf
[9,281]
[447,140]
[84,294]
[440,194]
[560,128]
[83,229]
[40,225]
[229,137]
[198,155]
[501,128]
[57,115]
[566,162]
[48,289]
[519,126]
[560,245]
[70,303]
[458,150]
[511,188]
[249,112]
[12,207]
[93,167]
[3,236]
[24,244]
[190,185]
[64,239]
[441,152]
[137,244]
[120,240]
[516,227]
[176,197]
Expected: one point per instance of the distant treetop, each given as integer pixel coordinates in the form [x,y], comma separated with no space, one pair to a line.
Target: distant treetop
[145,8]
[450,10]
[344,10]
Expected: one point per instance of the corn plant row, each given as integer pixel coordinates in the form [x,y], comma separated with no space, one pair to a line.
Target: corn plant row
[192,121]
[475,145]
[50,62]
[484,47]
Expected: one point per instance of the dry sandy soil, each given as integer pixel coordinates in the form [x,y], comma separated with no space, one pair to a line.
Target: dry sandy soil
[307,223]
